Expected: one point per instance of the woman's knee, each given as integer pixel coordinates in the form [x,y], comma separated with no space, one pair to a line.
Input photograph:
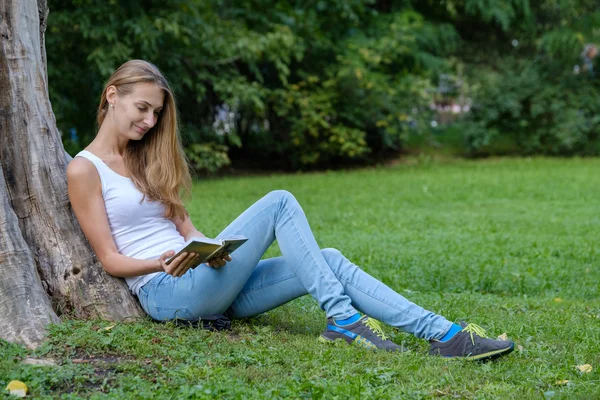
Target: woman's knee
[281,195]
[283,198]
[331,254]
[338,263]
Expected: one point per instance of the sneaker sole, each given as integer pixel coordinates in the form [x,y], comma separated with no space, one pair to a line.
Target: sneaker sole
[357,343]
[323,339]
[360,342]
[492,355]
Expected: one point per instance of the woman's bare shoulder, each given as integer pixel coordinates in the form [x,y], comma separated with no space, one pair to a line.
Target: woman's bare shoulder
[81,170]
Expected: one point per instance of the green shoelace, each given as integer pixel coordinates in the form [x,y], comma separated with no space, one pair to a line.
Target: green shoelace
[475,329]
[376,327]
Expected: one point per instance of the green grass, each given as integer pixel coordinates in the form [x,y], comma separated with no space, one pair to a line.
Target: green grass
[511,244]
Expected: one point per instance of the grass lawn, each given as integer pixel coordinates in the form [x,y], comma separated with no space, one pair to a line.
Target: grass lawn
[510,244]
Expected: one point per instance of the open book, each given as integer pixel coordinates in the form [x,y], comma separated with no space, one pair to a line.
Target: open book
[208,248]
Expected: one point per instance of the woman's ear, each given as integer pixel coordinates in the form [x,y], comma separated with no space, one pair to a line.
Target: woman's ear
[111,94]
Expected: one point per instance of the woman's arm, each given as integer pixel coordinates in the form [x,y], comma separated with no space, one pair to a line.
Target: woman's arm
[85,194]
[186,228]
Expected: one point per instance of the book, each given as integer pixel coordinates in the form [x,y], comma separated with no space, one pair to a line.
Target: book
[208,248]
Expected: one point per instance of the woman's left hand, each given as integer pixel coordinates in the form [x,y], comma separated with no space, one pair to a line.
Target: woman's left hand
[219,262]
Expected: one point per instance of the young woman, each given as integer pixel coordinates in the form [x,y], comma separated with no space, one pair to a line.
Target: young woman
[125,190]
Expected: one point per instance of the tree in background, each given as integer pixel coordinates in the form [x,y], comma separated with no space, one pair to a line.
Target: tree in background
[298,83]
[522,60]
[317,84]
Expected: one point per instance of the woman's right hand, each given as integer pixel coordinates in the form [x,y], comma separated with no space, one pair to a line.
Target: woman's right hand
[179,265]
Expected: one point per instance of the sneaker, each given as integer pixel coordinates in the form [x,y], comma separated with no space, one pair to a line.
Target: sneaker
[471,343]
[366,332]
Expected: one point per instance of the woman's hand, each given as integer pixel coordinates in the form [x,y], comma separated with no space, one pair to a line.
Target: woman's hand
[219,261]
[179,265]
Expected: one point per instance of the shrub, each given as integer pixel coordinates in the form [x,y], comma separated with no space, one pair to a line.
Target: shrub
[523,108]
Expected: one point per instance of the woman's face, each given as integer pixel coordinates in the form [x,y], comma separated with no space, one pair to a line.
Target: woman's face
[136,113]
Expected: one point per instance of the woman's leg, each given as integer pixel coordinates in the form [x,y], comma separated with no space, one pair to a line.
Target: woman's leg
[274,282]
[204,291]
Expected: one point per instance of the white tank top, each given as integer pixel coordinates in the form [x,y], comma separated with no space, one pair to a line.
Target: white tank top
[139,228]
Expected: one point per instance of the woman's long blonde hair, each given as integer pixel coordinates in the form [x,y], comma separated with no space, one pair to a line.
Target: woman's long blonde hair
[156,163]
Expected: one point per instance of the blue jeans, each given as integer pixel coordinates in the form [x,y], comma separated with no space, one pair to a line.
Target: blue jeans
[248,285]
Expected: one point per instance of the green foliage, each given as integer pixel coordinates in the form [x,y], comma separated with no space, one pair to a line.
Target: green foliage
[200,51]
[546,103]
[484,241]
[315,135]
[529,89]
[361,105]
[503,13]
[320,84]
[207,157]
[519,110]
[311,84]
[481,15]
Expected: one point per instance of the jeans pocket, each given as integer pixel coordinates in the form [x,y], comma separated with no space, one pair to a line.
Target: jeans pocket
[171,313]
[143,298]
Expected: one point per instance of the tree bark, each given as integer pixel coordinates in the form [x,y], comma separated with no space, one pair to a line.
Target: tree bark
[25,309]
[42,248]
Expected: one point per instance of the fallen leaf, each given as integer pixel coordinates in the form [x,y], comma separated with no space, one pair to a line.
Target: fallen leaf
[585,368]
[504,336]
[520,348]
[108,328]
[17,388]
[557,300]
[561,382]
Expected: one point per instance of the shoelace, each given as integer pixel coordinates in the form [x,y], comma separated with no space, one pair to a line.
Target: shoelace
[376,327]
[475,329]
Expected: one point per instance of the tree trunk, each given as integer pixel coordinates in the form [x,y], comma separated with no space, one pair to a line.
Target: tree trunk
[25,309]
[44,257]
